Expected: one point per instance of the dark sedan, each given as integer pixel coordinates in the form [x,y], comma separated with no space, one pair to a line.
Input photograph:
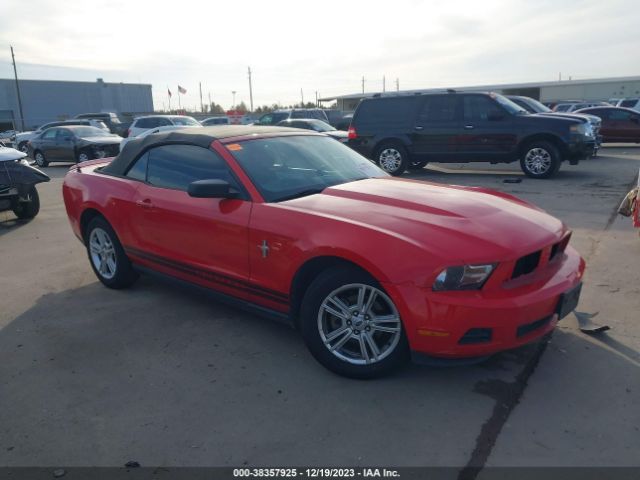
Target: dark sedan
[73,144]
[619,124]
[317,126]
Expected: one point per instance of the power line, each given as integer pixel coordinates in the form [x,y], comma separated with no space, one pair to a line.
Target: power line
[15,73]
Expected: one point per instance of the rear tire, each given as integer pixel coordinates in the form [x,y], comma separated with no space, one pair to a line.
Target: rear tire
[23,147]
[107,257]
[29,209]
[392,158]
[83,156]
[540,159]
[354,335]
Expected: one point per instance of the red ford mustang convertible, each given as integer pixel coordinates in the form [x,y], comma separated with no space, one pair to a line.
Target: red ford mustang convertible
[370,268]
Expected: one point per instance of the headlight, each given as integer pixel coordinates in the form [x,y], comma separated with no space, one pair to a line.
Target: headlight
[466,277]
[582,129]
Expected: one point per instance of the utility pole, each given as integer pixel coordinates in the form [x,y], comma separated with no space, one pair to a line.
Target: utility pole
[384,84]
[363,84]
[397,84]
[302,97]
[201,104]
[316,98]
[234,99]
[210,102]
[15,72]
[250,89]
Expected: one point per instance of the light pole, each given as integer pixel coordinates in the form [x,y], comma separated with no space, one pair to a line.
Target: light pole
[234,99]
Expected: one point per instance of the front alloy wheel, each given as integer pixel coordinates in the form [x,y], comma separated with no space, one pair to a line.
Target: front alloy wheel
[359,324]
[390,160]
[83,157]
[540,159]
[351,326]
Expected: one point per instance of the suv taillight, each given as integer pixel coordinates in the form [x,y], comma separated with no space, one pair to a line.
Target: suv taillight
[352,133]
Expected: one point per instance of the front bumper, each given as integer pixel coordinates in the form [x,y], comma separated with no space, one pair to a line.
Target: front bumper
[580,149]
[475,323]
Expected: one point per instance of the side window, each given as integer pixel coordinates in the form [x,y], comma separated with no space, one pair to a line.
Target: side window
[63,134]
[141,123]
[139,169]
[619,115]
[50,133]
[266,119]
[163,122]
[176,166]
[479,108]
[603,113]
[439,109]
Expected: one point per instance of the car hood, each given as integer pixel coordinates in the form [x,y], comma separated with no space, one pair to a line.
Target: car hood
[564,119]
[579,116]
[464,223]
[110,139]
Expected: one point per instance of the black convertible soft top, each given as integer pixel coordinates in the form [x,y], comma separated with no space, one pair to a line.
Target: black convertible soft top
[201,137]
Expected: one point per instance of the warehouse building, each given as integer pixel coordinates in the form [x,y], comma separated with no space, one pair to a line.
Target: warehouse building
[50,100]
[599,89]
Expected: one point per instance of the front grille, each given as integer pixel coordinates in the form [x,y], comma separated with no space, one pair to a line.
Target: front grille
[476,335]
[530,327]
[526,264]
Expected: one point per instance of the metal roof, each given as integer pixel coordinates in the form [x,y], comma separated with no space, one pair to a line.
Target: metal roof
[556,83]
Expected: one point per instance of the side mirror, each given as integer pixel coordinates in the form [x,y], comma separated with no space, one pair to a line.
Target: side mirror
[211,189]
[495,116]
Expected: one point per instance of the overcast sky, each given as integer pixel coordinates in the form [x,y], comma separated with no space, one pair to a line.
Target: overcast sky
[325,46]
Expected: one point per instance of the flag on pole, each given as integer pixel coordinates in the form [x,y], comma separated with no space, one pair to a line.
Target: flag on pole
[182,90]
[169,92]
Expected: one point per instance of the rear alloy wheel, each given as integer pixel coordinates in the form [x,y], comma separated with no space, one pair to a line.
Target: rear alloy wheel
[40,159]
[351,326]
[27,208]
[108,259]
[417,164]
[392,158]
[540,160]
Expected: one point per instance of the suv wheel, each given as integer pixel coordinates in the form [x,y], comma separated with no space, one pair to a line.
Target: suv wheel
[351,326]
[28,208]
[392,158]
[540,159]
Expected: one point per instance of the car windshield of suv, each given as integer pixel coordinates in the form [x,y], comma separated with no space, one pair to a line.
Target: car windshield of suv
[511,107]
[629,103]
[284,168]
[563,107]
[184,121]
[84,132]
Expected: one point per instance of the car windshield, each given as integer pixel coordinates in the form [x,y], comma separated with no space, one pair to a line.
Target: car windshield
[320,126]
[563,107]
[284,168]
[184,121]
[536,106]
[84,132]
[511,107]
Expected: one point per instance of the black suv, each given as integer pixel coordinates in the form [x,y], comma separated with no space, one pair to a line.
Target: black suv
[407,131]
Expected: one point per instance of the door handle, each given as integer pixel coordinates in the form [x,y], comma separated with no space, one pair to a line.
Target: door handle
[469,127]
[418,127]
[146,203]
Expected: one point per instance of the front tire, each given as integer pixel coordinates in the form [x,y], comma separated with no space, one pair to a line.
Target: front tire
[26,210]
[23,147]
[83,156]
[392,158]
[540,159]
[351,326]
[107,257]
[40,159]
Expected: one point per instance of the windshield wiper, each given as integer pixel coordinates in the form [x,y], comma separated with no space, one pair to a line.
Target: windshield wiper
[302,193]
